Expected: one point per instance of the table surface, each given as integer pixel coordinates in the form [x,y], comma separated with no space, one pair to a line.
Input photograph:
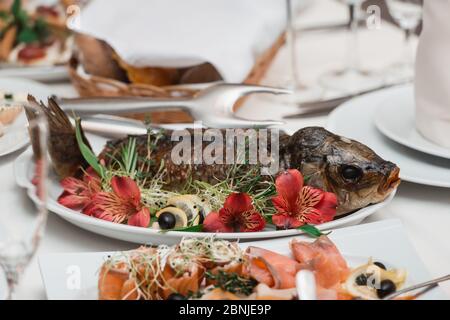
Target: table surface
[424,210]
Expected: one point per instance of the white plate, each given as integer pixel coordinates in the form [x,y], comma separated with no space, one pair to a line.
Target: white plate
[73,276]
[25,86]
[45,74]
[23,171]
[16,135]
[395,118]
[355,119]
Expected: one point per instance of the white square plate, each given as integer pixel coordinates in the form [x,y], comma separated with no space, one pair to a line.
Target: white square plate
[73,276]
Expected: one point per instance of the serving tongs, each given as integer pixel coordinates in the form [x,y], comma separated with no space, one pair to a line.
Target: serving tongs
[212,105]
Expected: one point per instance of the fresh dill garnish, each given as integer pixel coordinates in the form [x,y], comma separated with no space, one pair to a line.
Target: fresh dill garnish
[232,282]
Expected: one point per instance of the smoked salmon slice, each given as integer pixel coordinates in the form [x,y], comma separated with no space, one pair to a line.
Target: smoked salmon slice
[323,258]
[273,269]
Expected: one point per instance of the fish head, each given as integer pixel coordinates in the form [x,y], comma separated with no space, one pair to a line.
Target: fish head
[348,168]
[357,175]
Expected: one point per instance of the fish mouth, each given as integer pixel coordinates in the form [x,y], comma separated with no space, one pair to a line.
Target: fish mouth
[392,181]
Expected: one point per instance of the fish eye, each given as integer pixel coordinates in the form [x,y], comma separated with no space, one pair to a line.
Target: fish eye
[350,172]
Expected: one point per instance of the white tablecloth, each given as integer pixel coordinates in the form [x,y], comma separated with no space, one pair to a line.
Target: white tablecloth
[425,211]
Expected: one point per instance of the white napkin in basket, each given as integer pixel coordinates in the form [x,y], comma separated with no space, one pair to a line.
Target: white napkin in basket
[230,34]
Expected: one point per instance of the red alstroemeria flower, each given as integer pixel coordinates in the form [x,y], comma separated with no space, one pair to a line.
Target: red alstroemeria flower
[297,204]
[78,193]
[237,215]
[120,205]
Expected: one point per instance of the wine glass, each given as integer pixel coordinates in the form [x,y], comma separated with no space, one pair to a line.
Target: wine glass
[301,92]
[22,223]
[408,14]
[352,78]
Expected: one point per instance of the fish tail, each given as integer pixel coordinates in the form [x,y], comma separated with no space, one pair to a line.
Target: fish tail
[63,148]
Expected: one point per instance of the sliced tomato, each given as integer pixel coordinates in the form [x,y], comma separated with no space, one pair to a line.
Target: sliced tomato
[47,11]
[31,52]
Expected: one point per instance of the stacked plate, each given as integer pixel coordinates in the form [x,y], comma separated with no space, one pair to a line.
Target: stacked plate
[385,121]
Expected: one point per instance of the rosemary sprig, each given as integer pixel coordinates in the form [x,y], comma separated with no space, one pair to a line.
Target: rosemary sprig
[129,157]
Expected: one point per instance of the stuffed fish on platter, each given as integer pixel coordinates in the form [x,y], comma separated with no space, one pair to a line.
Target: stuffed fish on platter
[352,171]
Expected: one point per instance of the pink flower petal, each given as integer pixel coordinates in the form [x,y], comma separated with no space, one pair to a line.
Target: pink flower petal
[108,204]
[74,185]
[238,202]
[288,185]
[280,204]
[324,211]
[93,180]
[140,219]
[285,221]
[72,201]
[213,223]
[126,188]
[328,205]
[252,222]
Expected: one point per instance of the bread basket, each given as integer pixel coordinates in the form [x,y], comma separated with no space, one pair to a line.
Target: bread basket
[104,85]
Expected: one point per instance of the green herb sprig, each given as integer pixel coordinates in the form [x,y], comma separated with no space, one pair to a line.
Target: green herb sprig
[87,153]
[29,30]
[232,282]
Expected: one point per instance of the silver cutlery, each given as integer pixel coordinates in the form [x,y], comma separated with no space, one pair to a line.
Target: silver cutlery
[112,126]
[329,27]
[306,286]
[428,285]
[213,105]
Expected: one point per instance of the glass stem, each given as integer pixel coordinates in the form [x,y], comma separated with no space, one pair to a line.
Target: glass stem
[11,287]
[353,63]
[408,59]
[12,278]
[291,45]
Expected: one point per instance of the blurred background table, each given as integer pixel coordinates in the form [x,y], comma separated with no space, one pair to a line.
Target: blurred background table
[423,210]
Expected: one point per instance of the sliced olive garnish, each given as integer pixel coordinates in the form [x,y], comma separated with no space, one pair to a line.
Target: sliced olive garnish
[166,220]
[171,217]
[361,280]
[380,265]
[386,288]
[185,203]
